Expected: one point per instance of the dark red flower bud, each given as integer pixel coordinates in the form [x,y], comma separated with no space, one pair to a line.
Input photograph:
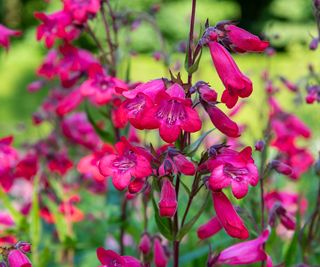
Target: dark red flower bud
[136,186]
[168,200]
[281,167]
[259,146]
[145,244]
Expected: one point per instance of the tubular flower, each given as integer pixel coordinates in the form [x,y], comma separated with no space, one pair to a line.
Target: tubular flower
[127,162]
[228,217]
[235,169]
[243,41]
[236,84]
[172,113]
[209,229]
[245,252]
[109,258]
[168,200]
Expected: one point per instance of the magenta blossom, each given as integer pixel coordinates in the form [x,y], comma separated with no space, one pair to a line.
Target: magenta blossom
[235,169]
[228,217]
[128,161]
[145,244]
[17,259]
[82,10]
[69,102]
[101,88]
[109,258]
[57,25]
[244,253]
[172,113]
[209,229]
[5,34]
[78,129]
[236,84]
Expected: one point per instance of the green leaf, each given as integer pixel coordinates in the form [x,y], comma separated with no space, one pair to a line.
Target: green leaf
[185,187]
[16,215]
[193,68]
[59,219]
[187,227]
[192,148]
[106,136]
[293,253]
[163,224]
[35,223]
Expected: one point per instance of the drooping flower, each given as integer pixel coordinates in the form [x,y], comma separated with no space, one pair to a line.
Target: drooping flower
[209,229]
[243,41]
[57,25]
[172,113]
[235,169]
[159,255]
[127,162]
[70,102]
[168,200]
[5,34]
[243,253]
[109,258]
[82,10]
[17,259]
[228,217]
[236,84]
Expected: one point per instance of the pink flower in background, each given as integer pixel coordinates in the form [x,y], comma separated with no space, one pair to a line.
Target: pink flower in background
[8,159]
[209,229]
[245,252]
[109,258]
[172,113]
[48,69]
[168,200]
[100,88]
[78,129]
[235,169]
[35,86]
[88,165]
[236,84]
[82,10]
[27,167]
[128,161]
[70,102]
[228,217]
[57,25]
[5,34]
[244,41]
[159,255]
[59,163]
[17,259]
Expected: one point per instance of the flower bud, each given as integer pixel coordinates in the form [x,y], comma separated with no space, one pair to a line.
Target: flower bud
[314,44]
[168,200]
[209,229]
[160,257]
[145,244]
[136,186]
[25,247]
[259,146]
[281,167]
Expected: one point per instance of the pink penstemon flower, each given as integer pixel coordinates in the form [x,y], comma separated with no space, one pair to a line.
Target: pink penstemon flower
[244,253]
[235,169]
[172,113]
[128,161]
[236,84]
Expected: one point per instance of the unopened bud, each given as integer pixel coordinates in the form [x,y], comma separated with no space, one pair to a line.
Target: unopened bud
[281,167]
[314,44]
[259,146]
[145,244]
